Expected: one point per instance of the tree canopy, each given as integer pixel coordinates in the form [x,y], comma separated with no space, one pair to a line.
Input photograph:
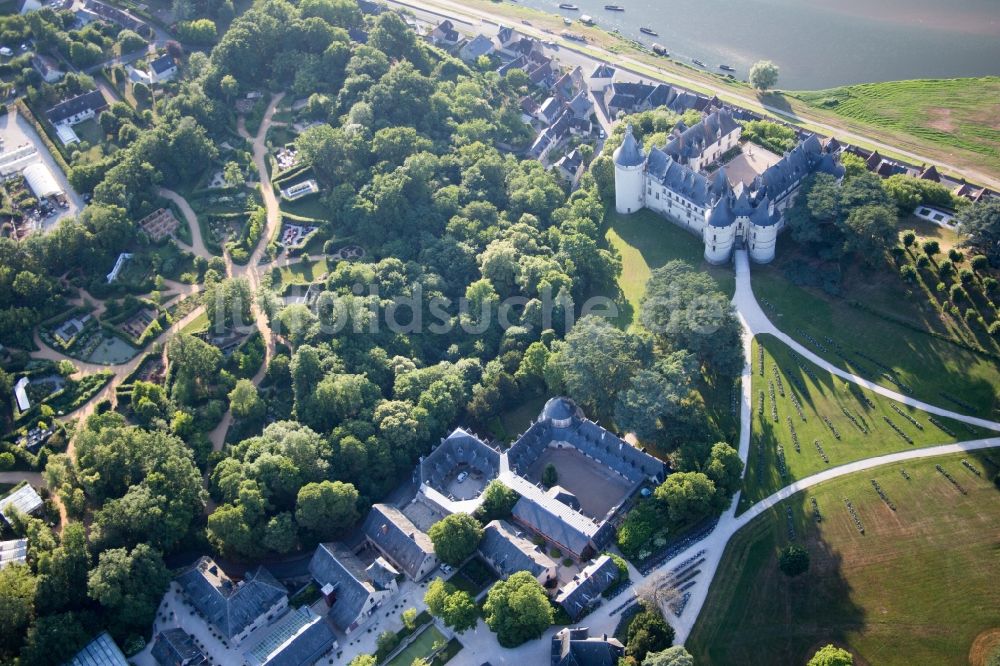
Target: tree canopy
[517,609]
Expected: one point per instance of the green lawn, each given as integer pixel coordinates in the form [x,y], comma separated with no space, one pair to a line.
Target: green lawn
[917,587]
[956,114]
[310,206]
[422,646]
[825,396]
[646,241]
[906,332]
[197,325]
[303,272]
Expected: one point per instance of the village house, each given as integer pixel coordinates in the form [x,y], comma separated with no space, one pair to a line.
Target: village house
[479,45]
[444,34]
[576,647]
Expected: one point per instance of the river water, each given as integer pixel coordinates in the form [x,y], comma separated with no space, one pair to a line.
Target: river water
[816,43]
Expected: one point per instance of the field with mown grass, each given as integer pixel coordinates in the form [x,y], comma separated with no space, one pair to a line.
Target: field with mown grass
[862,429]
[647,241]
[959,115]
[918,587]
[907,326]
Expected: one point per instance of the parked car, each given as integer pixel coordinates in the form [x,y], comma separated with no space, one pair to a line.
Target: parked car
[462,476]
[446,568]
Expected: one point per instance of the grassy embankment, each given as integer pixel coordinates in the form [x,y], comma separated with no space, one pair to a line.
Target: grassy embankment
[960,117]
[915,588]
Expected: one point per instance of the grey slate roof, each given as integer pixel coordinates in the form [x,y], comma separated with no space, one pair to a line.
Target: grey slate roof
[628,154]
[761,216]
[722,214]
[342,571]
[230,608]
[578,595]
[163,63]
[796,164]
[509,553]
[297,639]
[74,105]
[478,46]
[550,109]
[575,647]
[560,494]
[560,409]
[459,449]
[603,71]
[575,536]
[581,105]
[398,538]
[381,573]
[102,651]
[175,647]
[679,178]
[692,141]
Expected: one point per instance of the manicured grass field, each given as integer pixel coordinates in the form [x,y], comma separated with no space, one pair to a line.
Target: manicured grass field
[908,333]
[917,587]
[422,646]
[824,396]
[960,115]
[303,272]
[646,241]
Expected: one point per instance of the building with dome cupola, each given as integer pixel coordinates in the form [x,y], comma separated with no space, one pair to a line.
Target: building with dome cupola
[675,181]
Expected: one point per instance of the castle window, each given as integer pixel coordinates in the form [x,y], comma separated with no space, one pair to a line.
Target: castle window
[657,196]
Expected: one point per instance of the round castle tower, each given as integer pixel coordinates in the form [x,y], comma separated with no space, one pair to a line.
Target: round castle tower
[630,175]
[763,232]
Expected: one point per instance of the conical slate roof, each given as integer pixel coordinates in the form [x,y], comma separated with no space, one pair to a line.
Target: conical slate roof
[629,154]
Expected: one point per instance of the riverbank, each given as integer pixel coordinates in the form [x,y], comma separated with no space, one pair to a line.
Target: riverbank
[909,146]
[959,115]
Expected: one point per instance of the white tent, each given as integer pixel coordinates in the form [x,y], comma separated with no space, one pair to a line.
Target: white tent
[41,181]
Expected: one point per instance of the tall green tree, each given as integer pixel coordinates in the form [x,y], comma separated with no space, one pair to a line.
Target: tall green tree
[455,537]
[763,75]
[517,609]
[327,508]
[831,655]
[129,585]
[980,224]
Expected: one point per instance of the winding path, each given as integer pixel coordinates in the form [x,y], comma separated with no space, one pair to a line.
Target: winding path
[755,322]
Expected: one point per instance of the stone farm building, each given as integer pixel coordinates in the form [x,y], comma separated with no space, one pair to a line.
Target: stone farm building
[674,181]
[351,590]
[402,543]
[234,609]
[599,473]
